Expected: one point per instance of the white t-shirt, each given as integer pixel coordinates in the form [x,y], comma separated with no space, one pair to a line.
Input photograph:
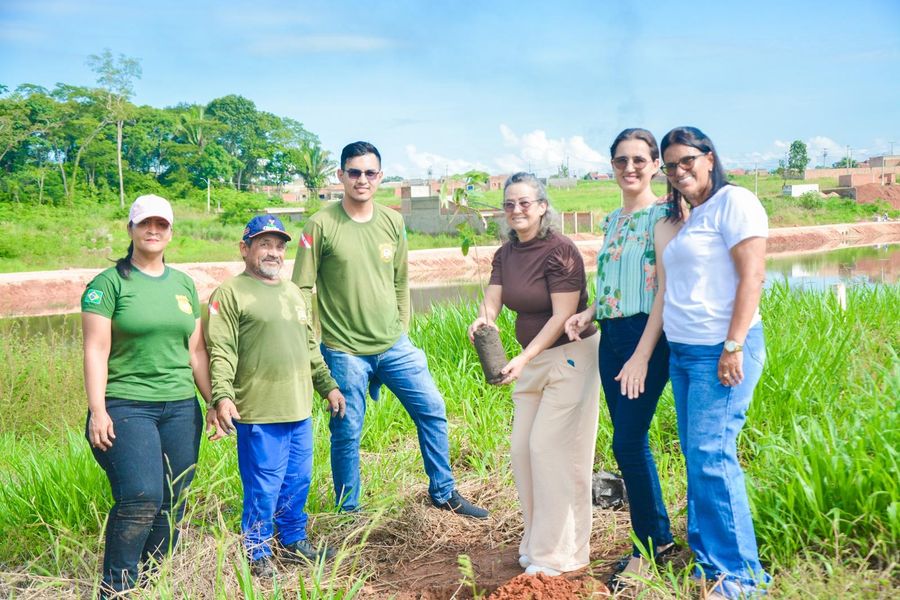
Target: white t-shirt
[701,280]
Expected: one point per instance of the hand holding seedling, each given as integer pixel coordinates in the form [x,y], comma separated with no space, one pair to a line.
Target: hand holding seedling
[513,369]
[478,324]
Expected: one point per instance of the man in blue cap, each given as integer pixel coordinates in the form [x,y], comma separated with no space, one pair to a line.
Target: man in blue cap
[264,364]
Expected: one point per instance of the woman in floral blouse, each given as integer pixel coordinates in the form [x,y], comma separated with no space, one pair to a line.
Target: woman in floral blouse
[634,355]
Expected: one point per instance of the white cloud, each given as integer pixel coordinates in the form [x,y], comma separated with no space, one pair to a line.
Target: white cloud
[818,145]
[815,146]
[439,165]
[536,152]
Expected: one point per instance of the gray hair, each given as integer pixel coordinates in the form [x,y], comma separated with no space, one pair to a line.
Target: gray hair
[549,219]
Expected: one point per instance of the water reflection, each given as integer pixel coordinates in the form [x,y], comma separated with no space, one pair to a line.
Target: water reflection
[868,265]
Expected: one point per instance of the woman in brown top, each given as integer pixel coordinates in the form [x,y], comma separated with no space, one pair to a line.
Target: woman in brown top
[539,274]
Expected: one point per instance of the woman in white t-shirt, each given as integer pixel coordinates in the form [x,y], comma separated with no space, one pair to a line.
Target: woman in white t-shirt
[715,268]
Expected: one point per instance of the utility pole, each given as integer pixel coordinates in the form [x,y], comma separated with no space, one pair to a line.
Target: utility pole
[756,178]
[892,147]
[848,158]
[207,195]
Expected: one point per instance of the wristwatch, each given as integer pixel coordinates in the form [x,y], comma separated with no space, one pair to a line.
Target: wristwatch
[732,346]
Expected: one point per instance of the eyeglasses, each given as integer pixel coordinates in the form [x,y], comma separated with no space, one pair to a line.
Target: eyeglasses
[621,162]
[522,204]
[685,162]
[354,174]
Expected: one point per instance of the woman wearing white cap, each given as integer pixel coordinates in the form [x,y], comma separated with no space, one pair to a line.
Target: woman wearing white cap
[143,355]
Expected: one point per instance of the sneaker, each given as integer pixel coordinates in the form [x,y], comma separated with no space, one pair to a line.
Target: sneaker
[524,561]
[461,506]
[535,569]
[303,550]
[263,567]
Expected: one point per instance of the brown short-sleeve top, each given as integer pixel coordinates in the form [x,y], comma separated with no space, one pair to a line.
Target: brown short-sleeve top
[529,272]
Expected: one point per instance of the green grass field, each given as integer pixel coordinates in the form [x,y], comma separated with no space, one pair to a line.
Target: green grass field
[39,238]
[820,450]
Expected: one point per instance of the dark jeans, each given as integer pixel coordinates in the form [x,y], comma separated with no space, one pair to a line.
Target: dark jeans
[150,462]
[631,422]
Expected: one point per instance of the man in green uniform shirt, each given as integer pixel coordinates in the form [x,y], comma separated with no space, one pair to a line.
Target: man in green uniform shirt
[355,254]
[264,363]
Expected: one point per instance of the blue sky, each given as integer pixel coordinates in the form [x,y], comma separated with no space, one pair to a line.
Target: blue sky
[499,85]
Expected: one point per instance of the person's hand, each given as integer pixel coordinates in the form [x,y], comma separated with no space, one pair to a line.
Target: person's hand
[731,368]
[478,324]
[577,323]
[100,430]
[214,432]
[226,412]
[632,377]
[337,405]
[513,369]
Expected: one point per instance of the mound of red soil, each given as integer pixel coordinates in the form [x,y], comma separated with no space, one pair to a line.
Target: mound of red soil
[542,587]
[873,191]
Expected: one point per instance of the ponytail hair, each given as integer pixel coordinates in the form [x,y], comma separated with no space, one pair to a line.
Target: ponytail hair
[123,265]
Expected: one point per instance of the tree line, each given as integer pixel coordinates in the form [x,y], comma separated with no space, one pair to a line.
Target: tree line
[71,143]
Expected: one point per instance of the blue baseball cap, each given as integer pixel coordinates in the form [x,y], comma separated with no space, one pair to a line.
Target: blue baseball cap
[261,224]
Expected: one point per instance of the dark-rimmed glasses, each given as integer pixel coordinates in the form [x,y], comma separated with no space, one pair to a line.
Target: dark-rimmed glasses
[370,174]
[621,162]
[685,162]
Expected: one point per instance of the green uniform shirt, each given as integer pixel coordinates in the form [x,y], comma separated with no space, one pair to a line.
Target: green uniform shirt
[262,351]
[360,274]
[152,322]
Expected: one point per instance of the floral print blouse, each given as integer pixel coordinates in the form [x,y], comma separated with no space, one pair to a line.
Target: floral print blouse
[626,264]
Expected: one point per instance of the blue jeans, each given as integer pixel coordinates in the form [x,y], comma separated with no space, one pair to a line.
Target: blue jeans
[404,370]
[275,461]
[150,465]
[710,417]
[631,422]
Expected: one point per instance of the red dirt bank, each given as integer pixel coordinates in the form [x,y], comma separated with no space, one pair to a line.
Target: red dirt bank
[54,292]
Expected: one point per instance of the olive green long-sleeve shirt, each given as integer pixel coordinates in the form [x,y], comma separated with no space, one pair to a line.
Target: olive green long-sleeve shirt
[263,353]
[361,277]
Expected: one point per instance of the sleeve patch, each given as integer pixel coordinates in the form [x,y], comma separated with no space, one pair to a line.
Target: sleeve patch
[92,296]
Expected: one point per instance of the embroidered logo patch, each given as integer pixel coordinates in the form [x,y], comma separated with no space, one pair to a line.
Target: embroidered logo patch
[93,296]
[184,304]
[214,308]
[306,240]
[386,251]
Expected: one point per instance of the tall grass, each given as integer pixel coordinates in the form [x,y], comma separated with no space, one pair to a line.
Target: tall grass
[820,447]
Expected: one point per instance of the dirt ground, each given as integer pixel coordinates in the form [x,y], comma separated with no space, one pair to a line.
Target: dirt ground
[872,191]
[55,292]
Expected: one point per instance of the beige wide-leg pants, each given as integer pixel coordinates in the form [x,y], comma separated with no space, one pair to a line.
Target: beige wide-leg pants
[554,432]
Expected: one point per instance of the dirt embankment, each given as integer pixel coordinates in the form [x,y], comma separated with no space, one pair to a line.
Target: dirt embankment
[55,292]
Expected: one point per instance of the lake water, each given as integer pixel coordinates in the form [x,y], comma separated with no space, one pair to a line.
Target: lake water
[869,265]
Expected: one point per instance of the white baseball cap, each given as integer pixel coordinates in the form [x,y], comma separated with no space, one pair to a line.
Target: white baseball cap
[150,205]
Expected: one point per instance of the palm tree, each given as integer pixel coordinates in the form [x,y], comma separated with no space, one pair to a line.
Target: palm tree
[315,166]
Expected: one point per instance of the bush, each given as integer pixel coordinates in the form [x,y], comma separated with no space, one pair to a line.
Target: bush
[810,200]
[238,207]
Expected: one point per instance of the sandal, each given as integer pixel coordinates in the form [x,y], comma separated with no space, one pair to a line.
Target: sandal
[616,582]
